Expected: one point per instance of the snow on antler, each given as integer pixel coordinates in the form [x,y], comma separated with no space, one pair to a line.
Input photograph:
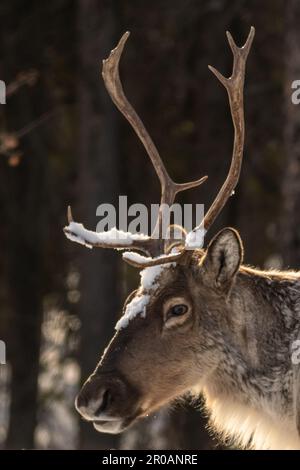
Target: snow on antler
[78,233]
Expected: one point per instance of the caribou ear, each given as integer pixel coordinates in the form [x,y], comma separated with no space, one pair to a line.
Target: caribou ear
[223,258]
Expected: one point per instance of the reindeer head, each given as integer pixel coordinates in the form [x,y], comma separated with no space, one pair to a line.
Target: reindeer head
[168,340]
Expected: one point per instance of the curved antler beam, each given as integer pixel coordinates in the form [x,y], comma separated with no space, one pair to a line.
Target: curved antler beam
[235,87]
[169,188]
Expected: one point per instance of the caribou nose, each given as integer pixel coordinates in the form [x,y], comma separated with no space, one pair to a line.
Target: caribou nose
[94,407]
[102,398]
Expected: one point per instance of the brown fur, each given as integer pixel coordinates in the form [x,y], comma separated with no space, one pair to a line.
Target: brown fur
[233,346]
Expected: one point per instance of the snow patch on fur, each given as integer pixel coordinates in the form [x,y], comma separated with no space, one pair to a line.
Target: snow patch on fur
[151,275]
[138,306]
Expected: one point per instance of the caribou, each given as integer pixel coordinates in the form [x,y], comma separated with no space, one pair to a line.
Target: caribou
[200,321]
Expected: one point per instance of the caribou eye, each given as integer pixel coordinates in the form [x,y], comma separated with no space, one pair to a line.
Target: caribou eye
[178,310]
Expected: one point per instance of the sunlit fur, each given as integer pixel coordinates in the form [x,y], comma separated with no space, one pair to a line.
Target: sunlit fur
[266,423]
[245,427]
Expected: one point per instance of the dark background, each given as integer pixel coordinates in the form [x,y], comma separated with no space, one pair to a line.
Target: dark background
[62,141]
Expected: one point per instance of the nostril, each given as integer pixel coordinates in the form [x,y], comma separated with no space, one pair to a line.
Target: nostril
[105,403]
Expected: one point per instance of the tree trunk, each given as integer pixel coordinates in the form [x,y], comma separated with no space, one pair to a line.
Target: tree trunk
[291,186]
[98,183]
[26,236]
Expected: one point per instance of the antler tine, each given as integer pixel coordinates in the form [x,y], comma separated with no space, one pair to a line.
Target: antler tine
[111,77]
[143,262]
[169,188]
[115,239]
[69,215]
[234,86]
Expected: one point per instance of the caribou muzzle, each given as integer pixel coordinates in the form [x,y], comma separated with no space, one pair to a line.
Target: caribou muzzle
[109,402]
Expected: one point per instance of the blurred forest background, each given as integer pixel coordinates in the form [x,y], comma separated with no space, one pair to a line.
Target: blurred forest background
[62,141]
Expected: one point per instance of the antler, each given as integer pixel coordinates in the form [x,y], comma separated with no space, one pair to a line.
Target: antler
[114,238]
[169,188]
[235,87]
[155,245]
